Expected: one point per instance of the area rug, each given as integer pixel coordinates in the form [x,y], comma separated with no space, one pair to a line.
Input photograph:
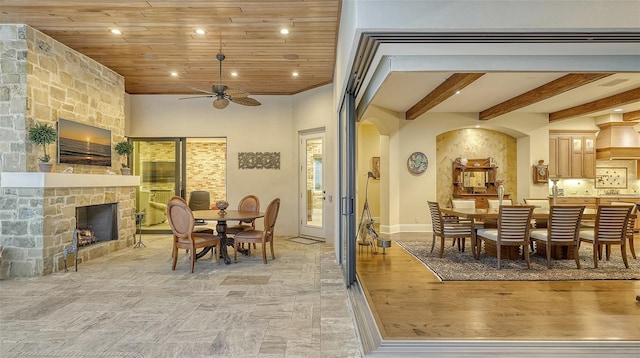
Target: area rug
[304,240]
[461,266]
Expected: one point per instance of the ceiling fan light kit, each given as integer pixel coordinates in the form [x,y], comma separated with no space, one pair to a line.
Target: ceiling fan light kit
[223,94]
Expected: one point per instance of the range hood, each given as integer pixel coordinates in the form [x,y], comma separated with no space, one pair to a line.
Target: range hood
[618,140]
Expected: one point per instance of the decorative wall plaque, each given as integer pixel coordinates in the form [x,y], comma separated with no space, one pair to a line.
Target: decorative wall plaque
[259,160]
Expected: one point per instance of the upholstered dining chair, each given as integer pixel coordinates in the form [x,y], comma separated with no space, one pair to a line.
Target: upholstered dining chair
[450,230]
[610,229]
[182,223]
[563,230]
[260,236]
[495,203]
[463,204]
[539,203]
[513,230]
[631,227]
[248,203]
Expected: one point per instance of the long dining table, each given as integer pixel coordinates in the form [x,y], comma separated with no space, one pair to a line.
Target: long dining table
[511,252]
[221,226]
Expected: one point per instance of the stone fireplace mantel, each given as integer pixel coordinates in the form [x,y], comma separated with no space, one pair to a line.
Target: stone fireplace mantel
[63,180]
[38,214]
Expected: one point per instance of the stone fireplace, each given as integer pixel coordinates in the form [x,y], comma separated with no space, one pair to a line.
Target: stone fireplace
[97,223]
[44,207]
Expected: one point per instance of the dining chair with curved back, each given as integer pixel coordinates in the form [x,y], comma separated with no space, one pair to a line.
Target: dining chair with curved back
[631,227]
[182,224]
[563,230]
[513,230]
[610,229]
[260,236]
[450,230]
[200,200]
[248,203]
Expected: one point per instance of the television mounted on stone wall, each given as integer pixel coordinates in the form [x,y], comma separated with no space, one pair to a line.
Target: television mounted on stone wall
[80,143]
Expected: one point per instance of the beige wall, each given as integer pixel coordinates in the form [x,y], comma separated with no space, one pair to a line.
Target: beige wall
[272,127]
[368,147]
[475,143]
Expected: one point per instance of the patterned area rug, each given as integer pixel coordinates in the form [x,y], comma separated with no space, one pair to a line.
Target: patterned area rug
[461,266]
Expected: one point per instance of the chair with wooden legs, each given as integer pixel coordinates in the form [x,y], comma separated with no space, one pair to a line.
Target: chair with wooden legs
[450,230]
[248,203]
[631,227]
[513,230]
[611,229]
[260,236]
[563,229]
[182,224]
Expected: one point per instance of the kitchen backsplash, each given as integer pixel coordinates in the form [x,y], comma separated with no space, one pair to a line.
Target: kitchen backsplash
[587,187]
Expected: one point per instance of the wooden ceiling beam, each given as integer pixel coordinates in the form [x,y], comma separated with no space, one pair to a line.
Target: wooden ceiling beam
[631,116]
[446,89]
[597,105]
[548,90]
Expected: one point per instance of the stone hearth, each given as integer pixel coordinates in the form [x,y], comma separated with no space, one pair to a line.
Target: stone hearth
[38,216]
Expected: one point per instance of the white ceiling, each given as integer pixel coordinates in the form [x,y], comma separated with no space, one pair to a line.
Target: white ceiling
[401,90]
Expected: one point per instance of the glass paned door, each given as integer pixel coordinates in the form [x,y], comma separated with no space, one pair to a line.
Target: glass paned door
[312,208]
[158,162]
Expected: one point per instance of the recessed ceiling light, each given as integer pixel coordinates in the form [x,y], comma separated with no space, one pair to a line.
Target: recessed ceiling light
[294,74]
[618,110]
[200,31]
[458,92]
[477,126]
[234,74]
[284,31]
[174,74]
[116,32]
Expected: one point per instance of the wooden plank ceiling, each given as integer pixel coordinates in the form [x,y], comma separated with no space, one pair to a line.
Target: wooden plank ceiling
[158,38]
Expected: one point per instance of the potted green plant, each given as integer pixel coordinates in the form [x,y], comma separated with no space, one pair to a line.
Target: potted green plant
[125,148]
[43,134]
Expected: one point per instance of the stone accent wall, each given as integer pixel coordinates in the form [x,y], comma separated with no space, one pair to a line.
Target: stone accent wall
[42,80]
[475,143]
[62,83]
[13,98]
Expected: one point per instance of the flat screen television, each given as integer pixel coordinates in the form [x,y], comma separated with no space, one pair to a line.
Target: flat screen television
[83,144]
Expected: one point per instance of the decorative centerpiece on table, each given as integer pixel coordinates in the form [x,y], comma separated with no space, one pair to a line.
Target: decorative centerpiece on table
[222,205]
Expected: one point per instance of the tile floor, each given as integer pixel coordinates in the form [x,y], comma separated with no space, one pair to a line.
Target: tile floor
[131,304]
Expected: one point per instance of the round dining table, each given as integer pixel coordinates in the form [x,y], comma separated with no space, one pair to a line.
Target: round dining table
[221,227]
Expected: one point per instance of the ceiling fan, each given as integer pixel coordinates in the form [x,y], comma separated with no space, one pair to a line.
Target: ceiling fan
[224,94]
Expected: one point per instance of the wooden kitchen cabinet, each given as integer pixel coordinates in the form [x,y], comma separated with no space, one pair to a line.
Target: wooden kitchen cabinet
[572,154]
[591,203]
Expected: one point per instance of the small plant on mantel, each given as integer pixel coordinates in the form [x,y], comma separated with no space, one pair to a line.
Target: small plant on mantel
[43,134]
[124,148]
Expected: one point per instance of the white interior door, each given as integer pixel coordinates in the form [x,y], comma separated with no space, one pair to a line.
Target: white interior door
[312,193]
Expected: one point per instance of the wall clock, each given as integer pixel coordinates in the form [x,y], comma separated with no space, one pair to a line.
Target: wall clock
[417,163]
[540,172]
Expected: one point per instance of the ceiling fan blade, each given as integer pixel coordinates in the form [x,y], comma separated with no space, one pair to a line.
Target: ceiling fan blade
[234,92]
[245,101]
[209,96]
[201,90]
[220,103]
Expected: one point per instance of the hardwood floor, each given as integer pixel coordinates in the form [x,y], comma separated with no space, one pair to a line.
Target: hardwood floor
[409,303]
